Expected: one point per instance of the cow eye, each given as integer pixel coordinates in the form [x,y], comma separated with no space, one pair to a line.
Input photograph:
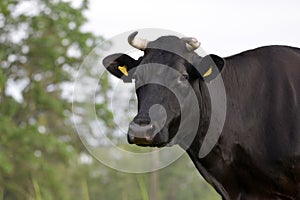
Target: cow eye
[184,77]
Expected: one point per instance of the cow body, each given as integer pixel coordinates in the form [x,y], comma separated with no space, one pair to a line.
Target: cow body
[257,155]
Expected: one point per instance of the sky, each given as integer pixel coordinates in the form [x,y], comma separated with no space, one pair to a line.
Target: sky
[224,27]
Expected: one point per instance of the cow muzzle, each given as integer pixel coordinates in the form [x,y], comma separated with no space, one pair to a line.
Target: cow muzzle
[142,134]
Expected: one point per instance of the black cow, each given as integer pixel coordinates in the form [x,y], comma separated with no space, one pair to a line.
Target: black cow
[257,155]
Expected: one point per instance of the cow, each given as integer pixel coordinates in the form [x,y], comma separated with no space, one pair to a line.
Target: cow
[257,155]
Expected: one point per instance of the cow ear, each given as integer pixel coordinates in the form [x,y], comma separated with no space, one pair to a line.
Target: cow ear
[120,65]
[209,67]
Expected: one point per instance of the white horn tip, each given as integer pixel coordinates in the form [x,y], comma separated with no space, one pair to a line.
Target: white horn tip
[138,43]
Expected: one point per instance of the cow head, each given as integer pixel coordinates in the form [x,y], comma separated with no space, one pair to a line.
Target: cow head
[169,64]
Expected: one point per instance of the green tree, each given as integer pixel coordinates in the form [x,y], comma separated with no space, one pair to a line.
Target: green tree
[42,44]
[178,181]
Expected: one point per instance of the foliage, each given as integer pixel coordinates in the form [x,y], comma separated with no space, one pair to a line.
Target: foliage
[41,45]
[178,181]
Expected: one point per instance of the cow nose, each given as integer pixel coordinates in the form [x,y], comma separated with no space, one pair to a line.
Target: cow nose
[141,134]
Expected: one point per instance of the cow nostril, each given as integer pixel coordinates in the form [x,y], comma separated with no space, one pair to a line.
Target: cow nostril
[130,139]
[142,120]
[138,134]
[151,126]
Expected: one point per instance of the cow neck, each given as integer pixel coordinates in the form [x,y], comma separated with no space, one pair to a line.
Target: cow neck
[203,96]
[204,103]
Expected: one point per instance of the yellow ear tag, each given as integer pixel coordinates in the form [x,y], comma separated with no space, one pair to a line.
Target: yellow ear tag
[123,70]
[209,71]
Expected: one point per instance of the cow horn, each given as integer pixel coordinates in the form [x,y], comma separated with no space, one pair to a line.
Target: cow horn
[138,43]
[191,43]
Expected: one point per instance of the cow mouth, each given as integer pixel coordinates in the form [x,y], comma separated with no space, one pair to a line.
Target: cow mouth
[153,145]
[146,141]
[154,138]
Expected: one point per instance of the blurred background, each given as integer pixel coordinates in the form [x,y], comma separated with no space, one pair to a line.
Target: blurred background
[43,43]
